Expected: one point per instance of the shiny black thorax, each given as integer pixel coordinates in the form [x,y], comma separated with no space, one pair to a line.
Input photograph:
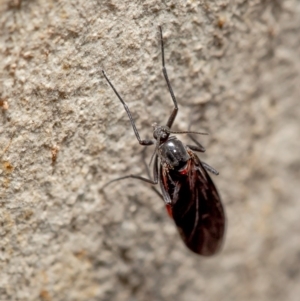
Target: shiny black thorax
[173,153]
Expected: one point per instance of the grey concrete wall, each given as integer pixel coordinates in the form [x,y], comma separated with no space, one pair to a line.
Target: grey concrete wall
[234,67]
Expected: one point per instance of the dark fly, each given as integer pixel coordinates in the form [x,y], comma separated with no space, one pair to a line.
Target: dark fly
[190,195]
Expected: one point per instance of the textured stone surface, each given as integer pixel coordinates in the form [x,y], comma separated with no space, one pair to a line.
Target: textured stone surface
[234,67]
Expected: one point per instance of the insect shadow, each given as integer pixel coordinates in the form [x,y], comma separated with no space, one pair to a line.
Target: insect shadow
[189,194]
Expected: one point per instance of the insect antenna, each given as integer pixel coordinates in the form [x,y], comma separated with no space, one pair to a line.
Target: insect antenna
[187,132]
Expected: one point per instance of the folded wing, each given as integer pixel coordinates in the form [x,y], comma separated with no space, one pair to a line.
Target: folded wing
[196,206]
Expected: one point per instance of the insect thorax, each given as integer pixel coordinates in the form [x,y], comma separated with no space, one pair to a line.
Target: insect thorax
[173,153]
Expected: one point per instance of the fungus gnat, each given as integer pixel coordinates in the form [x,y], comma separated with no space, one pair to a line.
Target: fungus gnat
[190,196]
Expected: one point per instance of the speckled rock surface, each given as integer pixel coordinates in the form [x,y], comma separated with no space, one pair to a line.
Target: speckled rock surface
[235,69]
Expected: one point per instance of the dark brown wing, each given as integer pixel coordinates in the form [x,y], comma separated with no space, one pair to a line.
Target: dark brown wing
[196,206]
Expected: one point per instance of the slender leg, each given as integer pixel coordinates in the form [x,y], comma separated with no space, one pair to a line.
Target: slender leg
[209,168]
[157,192]
[141,142]
[150,181]
[175,110]
[149,175]
[198,148]
[165,195]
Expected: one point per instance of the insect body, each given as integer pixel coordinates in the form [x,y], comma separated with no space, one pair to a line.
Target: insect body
[190,196]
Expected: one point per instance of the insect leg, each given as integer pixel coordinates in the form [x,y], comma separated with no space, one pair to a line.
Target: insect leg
[150,181]
[141,142]
[165,195]
[157,192]
[148,173]
[145,163]
[198,147]
[175,109]
[209,168]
